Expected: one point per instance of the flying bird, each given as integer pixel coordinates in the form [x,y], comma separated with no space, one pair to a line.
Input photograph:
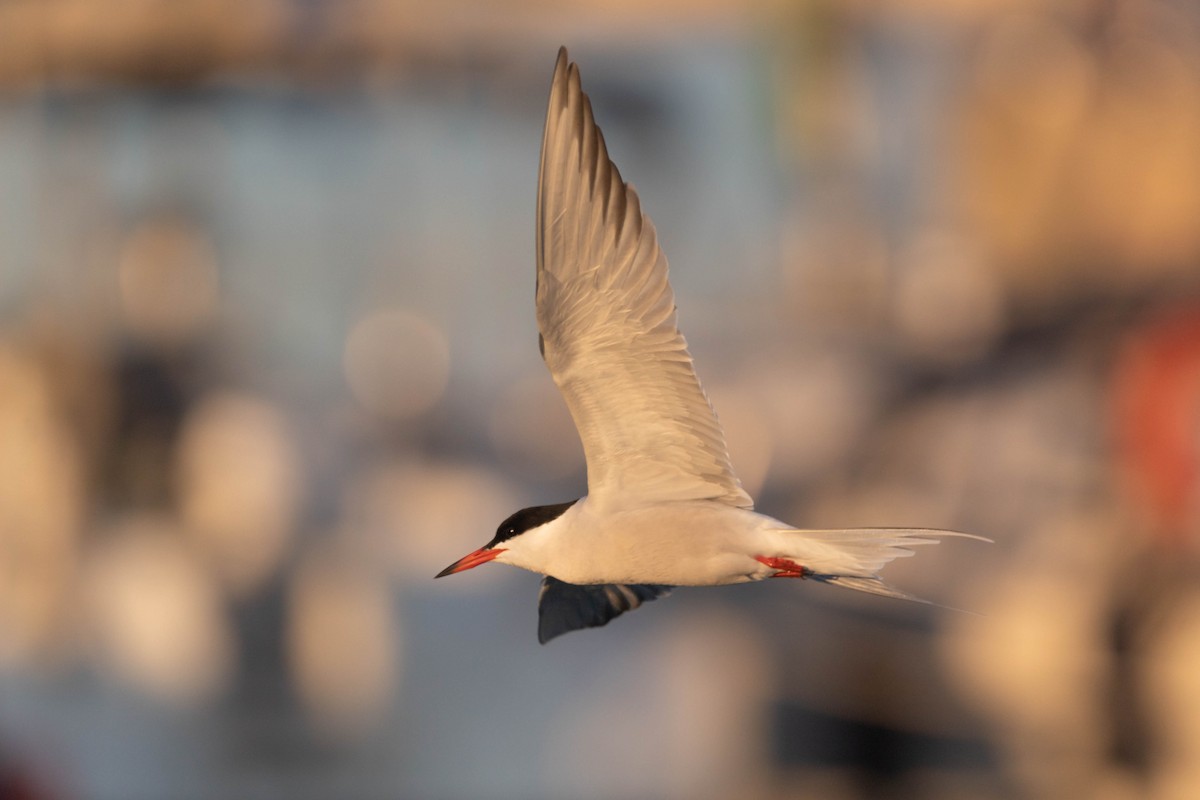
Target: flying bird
[663,506]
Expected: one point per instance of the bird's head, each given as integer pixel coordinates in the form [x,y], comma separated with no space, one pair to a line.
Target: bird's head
[509,536]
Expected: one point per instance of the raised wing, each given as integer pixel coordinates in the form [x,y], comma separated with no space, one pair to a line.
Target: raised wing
[606,316]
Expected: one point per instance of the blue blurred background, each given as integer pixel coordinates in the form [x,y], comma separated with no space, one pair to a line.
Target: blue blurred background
[268,362]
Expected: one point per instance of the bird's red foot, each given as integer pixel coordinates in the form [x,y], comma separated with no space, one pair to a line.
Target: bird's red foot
[787,568]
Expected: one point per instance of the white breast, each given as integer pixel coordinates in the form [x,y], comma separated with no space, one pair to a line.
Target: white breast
[682,544]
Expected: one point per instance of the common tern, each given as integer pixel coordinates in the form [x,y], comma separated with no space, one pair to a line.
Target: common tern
[663,506]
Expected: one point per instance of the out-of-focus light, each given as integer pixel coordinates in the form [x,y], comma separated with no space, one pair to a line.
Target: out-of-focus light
[41,508]
[682,711]
[342,642]
[1156,425]
[1172,693]
[747,433]
[816,407]
[1032,83]
[1138,189]
[949,305]
[168,280]
[421,517]
[886,503]
[836,267]
[532,430]
[155,615]
[396,363]
[239,481]
[1036,663]
[940,11]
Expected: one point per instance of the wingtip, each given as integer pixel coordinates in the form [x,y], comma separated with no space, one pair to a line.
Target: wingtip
[565,79]
[562,63]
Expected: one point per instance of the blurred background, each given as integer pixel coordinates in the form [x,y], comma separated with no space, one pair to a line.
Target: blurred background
[268,362]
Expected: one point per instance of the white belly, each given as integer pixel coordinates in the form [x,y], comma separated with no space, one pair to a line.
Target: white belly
[681,544]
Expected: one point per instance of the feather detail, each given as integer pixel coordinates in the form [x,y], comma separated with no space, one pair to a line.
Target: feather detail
[607,325]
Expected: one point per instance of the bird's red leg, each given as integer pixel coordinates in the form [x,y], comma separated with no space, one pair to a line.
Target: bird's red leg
[787,568]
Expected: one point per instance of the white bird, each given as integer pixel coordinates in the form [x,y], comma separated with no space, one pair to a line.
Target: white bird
[663,506]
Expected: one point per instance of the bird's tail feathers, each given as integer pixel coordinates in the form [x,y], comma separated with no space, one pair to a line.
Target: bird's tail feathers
[851,557]
[857,551]
[870,586]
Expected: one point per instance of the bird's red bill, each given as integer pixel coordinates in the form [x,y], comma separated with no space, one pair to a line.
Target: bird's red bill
[471,560]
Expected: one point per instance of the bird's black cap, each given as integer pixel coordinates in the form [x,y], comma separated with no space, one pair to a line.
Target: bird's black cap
[526,519]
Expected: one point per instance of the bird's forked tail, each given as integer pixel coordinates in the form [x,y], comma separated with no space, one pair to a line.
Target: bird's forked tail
[853,557]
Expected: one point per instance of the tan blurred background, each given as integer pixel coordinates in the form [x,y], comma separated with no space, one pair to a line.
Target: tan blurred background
[267,363]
